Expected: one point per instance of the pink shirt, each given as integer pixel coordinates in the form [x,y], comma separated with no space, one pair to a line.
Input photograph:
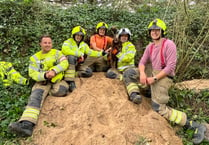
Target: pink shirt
[169,54]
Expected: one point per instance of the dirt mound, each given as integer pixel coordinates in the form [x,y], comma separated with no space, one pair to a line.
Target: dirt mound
[98,112]
[196,84]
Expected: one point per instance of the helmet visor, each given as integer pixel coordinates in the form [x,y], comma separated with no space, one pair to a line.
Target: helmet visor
[124,33]
[79,33]
[154,27]
[102,27]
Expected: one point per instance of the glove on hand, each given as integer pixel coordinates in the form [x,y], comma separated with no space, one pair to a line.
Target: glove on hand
[104,53]
[29,82]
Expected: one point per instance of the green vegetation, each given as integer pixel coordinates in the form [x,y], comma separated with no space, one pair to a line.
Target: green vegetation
[12,103]
[142,141]
[194,104]
[23,22]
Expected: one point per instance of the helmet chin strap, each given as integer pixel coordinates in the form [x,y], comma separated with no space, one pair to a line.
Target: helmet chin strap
[157,38]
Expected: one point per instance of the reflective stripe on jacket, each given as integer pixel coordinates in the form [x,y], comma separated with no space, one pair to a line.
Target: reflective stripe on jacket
[40,63]
[70,47]
[8,74]
[126,56]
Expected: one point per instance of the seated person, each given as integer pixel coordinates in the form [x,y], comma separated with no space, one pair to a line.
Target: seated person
[75,49]
[124,55]
[46,68]
[99,42]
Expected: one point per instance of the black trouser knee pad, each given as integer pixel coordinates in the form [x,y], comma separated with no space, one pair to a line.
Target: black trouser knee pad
[155,106]
[130,75]
[36,98]
[61,92]
[87,73]
[111,75]
[72,59]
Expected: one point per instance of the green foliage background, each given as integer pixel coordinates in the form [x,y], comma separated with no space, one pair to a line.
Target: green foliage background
[23,22]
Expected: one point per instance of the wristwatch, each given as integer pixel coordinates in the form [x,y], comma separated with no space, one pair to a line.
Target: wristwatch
[155,78]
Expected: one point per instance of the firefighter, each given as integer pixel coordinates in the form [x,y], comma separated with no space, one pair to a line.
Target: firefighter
[125,55]
[8,75]
[162,54]
[47,69]
[99,42]
[75,49]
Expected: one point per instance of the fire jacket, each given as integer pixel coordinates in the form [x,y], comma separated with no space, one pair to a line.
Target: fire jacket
[41,63]
[70,47]
[126,56]
[8,75]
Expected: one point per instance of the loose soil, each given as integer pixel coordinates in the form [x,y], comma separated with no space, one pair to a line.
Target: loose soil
[98,112]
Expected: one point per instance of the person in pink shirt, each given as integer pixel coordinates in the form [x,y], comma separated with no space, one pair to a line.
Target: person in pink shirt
[161,54]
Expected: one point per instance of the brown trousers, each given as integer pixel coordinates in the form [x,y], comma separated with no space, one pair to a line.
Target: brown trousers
[98,64]
[39,92]
[159,93]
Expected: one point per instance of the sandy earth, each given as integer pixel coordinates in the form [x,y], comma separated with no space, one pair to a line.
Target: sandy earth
[98,112]
[196,84]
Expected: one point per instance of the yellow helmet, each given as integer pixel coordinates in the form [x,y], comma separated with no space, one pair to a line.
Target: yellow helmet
[101,25]
[78,30]
[158,24]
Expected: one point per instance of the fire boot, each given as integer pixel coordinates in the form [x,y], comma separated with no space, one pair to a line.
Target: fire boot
[199,131]
[72,85]
[22,129]
[136,98]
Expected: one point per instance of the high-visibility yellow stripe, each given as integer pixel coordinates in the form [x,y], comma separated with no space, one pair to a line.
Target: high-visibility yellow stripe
[120,77]
[31,113]
[179,117]
[131,87]
[34,116]
[176,116]
[173,115]
[70,71]
[196,131]
[67,75]
[32,110]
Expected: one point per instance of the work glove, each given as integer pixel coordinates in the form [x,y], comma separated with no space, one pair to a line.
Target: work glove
[104,53]
[29,82]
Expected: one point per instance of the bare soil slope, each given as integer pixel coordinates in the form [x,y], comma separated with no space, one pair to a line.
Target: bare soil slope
[196,84]
[98,112]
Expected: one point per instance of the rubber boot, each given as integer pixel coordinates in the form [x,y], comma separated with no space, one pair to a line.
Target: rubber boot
[72,85]
[199,129]
[136,98]
[85,73]
[22,129]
